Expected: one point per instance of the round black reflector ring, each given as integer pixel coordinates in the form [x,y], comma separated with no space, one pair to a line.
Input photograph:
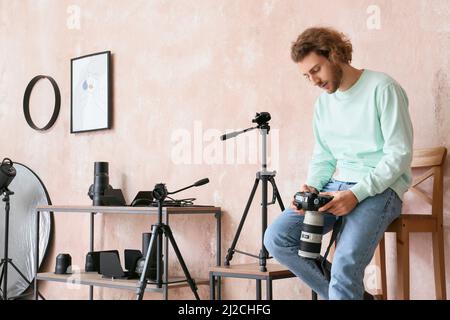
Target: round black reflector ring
[26,103]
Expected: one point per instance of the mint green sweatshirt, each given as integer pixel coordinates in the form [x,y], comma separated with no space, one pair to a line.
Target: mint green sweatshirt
[363,135]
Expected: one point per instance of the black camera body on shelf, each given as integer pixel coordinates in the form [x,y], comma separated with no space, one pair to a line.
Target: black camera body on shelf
[310,201]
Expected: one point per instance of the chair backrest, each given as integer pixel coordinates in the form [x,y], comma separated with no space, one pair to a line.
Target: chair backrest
[434,159]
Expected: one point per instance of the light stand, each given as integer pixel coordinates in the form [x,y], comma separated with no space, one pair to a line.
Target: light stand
[7,174]
[158,230]
[6,260]
[264,176]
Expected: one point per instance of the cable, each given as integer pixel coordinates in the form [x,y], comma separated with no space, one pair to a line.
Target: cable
[187,202]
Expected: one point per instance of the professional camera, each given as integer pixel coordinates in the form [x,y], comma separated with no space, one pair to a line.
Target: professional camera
[312,228]
[310,201]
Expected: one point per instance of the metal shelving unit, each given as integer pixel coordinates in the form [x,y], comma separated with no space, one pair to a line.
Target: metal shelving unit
[93,279]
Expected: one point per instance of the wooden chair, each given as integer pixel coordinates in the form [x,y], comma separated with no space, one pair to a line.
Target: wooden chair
[433,159]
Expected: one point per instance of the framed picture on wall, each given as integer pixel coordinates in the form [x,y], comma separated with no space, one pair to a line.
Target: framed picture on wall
[90,92]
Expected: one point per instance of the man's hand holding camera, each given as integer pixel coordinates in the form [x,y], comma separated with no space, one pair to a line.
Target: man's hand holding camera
[343,202]
[304,188]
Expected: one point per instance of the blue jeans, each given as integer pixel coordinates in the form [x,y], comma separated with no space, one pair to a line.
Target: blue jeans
[360,233]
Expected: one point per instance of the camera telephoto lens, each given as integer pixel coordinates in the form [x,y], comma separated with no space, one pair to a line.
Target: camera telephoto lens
[101,181]
[312,227]
[311,236]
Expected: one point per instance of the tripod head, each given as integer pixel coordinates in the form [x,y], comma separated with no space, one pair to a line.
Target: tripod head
[160,191]
[261,119]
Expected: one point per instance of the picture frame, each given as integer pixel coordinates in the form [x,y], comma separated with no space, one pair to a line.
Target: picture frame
[90,92]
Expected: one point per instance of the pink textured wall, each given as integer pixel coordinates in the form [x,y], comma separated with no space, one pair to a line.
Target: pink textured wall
[182,65]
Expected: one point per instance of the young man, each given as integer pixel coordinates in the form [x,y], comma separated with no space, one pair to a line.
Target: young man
[362,156]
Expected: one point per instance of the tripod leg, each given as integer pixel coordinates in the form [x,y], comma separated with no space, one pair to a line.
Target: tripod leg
[277,193]
[241,224]
[3,270]
[264,255]
[24,278]
[159,241]
[20,273]
[143,280]
[168,233]
[5,265]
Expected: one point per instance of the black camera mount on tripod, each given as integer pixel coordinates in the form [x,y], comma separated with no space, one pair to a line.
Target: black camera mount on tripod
[262,120]
[158,230]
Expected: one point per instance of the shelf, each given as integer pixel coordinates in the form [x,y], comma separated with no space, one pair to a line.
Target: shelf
[130,210]
[95,279]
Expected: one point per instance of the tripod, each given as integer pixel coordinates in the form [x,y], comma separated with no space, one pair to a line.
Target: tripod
[6,260]
[265,177]
[158,230]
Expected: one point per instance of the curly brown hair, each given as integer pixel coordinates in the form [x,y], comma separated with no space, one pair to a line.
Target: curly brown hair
[327,42]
